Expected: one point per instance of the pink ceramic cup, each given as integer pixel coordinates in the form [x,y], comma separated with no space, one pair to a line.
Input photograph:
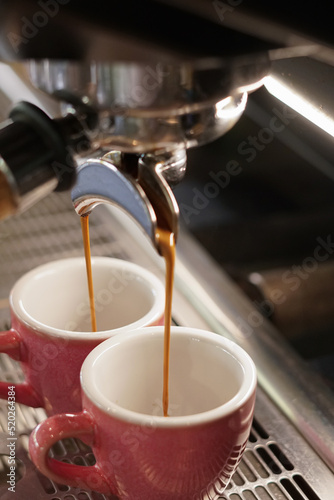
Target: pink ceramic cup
[140,454]
[51,327]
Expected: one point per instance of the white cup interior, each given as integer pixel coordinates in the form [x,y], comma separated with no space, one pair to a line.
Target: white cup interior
[206,372]
[55,295]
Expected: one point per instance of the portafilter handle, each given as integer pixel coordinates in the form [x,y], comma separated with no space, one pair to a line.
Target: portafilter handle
[135,184]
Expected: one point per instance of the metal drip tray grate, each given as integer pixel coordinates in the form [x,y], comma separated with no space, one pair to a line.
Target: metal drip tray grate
[277,465]
[266,472]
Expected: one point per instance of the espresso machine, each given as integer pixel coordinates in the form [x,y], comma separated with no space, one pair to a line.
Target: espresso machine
[113,105]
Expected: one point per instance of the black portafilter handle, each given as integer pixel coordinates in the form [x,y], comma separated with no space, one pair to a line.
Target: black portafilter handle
[36,156]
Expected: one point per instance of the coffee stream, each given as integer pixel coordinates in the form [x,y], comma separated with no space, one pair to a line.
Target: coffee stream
[166,242]
[86,241]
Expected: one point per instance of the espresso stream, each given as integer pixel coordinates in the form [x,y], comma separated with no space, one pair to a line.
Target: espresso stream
[86,241]
[166,242]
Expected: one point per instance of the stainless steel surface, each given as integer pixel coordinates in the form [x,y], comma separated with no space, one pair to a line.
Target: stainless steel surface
[143,107]
[110,106]
[306,86]
[279,463]
[101,182]
[301,395]
[307,305]
[138,188]
[151,177]
[153,90]
[294,30]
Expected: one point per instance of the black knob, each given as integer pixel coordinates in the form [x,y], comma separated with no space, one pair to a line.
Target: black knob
[35,156]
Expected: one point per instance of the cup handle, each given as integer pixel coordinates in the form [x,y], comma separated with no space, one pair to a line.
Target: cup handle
[63,426]
[10,343]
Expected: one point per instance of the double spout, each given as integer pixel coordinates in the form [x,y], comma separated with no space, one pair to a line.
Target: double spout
[38,155]
[140,185]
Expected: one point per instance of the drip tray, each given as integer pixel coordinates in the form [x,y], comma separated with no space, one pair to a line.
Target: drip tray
[278,463]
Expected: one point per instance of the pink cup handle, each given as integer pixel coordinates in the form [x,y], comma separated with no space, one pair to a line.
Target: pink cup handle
[62,426]
[10,343]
